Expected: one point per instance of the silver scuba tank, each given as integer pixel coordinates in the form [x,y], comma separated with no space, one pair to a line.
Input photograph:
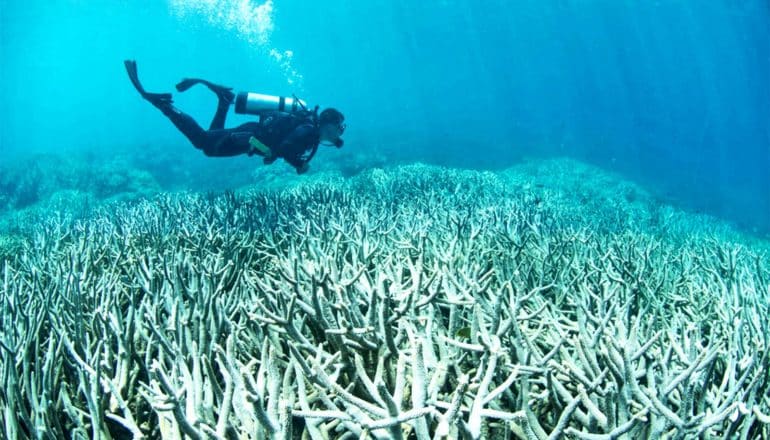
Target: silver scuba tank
[257,103]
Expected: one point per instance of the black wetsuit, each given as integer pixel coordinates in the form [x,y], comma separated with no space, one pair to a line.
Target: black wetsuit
[296,144]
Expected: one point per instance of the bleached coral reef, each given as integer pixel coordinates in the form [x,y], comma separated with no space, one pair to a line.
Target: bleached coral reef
[417,303]
[44,178]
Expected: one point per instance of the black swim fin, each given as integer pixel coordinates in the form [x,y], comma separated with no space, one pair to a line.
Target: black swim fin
[224,93]
[157,99]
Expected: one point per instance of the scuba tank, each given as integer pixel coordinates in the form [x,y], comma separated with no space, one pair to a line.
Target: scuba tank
[257,103]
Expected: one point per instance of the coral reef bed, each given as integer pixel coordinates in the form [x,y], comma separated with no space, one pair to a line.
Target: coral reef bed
[418,302]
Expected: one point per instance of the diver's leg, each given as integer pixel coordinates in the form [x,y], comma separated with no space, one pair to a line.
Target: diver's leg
[228,143]
[225,95]
[218,122]
[214,143]
[199,137]
[223,92]
[154,98]
[234,141]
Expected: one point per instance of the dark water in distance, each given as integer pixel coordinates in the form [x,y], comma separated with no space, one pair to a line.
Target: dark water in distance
[673,94]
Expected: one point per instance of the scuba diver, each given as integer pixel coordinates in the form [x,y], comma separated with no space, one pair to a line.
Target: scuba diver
[286,128]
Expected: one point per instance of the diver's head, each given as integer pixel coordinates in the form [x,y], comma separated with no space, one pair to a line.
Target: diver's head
[332,125]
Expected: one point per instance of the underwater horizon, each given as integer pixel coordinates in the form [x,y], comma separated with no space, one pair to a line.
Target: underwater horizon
[549,219]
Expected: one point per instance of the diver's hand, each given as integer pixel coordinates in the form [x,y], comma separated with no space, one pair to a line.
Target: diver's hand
[303,169]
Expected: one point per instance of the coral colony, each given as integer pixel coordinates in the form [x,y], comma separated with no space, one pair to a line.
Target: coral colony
[416,303]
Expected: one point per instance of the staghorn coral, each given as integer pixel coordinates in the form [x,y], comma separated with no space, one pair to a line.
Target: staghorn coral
[11,245]
[413,303]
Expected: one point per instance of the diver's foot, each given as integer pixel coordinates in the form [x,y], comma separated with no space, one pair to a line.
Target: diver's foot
[156,99]
[223,93]
[226,94]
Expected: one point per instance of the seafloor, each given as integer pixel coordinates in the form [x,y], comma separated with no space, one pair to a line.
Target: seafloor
[549,300]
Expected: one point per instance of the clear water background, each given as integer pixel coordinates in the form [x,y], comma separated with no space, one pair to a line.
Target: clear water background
[673,94]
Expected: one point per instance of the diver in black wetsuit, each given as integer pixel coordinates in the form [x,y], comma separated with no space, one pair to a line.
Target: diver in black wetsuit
[292,137]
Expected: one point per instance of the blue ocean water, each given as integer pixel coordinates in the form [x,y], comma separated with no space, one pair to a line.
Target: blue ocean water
[672,94]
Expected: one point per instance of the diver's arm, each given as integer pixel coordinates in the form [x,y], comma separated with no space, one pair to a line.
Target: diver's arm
[298,163]
[295,146]
[295,161]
